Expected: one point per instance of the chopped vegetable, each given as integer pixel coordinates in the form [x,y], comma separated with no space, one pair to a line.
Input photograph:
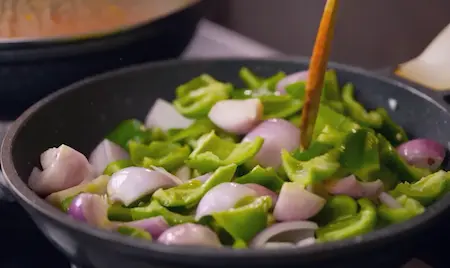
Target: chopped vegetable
[346,227]
[190,193]
[427,189]
[196,101]
[212,152]
[409,209]
[312,171]
[263,176]
[246,219]
[169,156]
[130,130]
[357,111]
[188,178]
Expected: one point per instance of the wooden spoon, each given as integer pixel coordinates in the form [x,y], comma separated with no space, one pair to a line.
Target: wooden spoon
[317,69]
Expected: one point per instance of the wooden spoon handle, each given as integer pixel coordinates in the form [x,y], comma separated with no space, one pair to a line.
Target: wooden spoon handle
[316,74]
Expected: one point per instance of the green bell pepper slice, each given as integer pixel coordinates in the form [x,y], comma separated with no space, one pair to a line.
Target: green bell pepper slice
[280,106]
[189,194]
[296,90]
[203,80]
[197,102]
[115,166]
[359,153]
[325,141]
[212,152]
[311,171]
[295,120]
[426,190]
[134,232]
[246,219]
[169,156]
[331,86]
[392,160]
[337,207]
[130,130]
[266,177]
[410,208]
[250,79]
[356,111]
[364,222]
[194,131]
[271,82]
[153,209]
[328,116]
[389,129]
[332,136]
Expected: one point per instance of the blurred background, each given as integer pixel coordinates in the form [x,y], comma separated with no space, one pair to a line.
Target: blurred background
[369,33]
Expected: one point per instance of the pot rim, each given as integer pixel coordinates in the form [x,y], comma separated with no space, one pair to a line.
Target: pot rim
[379,237]
[82,37]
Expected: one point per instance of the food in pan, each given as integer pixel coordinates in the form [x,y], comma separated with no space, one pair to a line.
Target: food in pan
[221,166]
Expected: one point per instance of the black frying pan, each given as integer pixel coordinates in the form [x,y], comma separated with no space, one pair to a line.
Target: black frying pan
[82,114]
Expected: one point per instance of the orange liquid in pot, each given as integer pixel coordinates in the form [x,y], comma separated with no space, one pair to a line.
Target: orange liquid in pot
[53,18]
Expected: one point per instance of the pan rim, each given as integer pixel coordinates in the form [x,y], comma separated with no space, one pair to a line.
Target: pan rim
[190,254]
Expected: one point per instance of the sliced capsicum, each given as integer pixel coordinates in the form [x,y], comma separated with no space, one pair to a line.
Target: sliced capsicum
[364,222]
[246,219]
[356,111]
[337,207]
[331,86]
[134,232]
[169,156]
[427,189]
[267,177]
[130,130]
[194,84]
[328,116]
[212,152]
[115,166]
[189,194]
[193,132]
[359,153]
[389,129]
[312,171]
[410,208]
[280,106]
[251,80]
[153,209]
[196,102]
[272,81]
[392,160]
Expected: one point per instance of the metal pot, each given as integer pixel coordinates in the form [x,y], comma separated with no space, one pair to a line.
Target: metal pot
[31,68]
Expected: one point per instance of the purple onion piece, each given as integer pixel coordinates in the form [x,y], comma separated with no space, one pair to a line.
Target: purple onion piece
[190,234]
[132,183]
[295,203]
[389,201]
[278,134]
[222,197]
[63,168]
[105,153]
[164,116]
[422,153]
[291,79]
[90,208]
[352,187]
[237,116]
[286,232]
